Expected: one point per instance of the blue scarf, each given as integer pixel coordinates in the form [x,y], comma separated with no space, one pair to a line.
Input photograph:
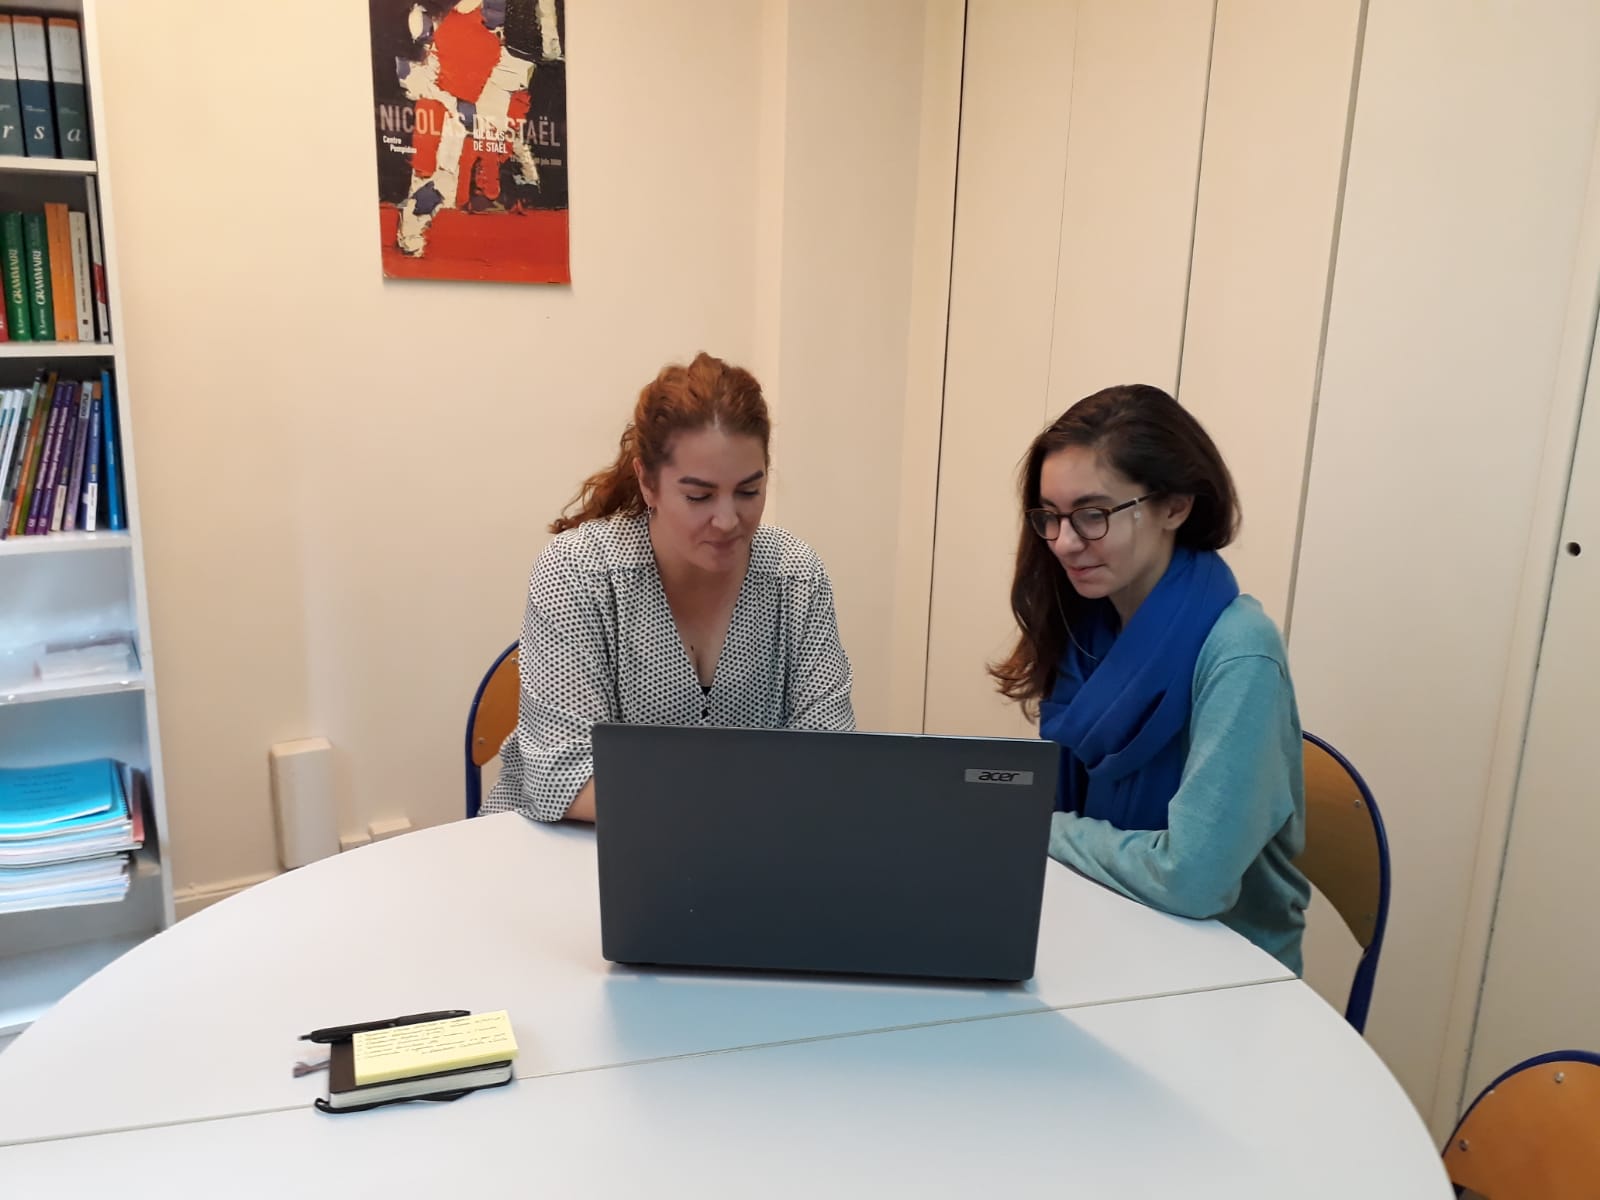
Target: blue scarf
[1123,720]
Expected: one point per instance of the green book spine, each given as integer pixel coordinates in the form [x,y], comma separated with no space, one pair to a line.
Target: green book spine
[41,303]
[14,276]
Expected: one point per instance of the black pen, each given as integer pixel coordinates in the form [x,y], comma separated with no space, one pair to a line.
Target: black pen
[339,1033]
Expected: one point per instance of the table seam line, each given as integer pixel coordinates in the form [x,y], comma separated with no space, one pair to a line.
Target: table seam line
[691,1054]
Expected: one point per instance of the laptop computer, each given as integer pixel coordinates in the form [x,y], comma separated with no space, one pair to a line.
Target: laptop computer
[855,853]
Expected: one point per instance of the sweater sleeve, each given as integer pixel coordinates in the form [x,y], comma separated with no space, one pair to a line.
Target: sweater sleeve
[1235,794]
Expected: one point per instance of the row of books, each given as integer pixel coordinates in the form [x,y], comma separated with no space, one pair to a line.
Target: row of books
[54,276]
[42,98]
[59,466]
[68,833]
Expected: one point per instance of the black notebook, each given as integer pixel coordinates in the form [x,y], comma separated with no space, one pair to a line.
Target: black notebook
[345,1095]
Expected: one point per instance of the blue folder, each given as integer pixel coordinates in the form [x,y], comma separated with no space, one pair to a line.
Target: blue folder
[63,799]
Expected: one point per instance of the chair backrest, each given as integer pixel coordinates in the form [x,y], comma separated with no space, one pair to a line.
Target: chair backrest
[490,720]
[1531,1134]
[1347,859]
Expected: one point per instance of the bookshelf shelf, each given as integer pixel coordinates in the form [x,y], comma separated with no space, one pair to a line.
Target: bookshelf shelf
[64,543]
[37,691]
[47,166]
[53,350]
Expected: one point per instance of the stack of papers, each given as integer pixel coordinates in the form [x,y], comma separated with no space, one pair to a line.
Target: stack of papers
[109,655]
[89,881]
[66,833]
[96,658]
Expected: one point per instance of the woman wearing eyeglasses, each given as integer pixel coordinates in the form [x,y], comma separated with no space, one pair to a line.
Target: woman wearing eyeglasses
[1167,689]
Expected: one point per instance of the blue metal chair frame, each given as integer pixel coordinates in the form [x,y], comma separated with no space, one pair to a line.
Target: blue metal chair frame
[474,771]
[1367,970]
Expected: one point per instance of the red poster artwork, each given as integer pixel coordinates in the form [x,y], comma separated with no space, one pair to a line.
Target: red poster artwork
[470,119]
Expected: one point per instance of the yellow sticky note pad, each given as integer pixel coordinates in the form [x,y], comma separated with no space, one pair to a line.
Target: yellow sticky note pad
[425,1049]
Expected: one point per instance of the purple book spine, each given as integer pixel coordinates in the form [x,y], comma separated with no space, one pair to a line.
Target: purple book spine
[42,475]
[91,466]
[69,435]
[80,441]
[50,519]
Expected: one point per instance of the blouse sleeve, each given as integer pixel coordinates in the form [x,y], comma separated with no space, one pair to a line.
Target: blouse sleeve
[819,677]
[568,683]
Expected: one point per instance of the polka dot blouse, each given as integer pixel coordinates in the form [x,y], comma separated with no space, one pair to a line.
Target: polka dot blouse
[599,644]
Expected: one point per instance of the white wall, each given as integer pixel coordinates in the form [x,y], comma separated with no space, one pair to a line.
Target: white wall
[1126,217]
[869,127]
[1533,777]
[1470,153]
[1015,113]
[345,480]
[1539,989]
[934,234]
[1277,116]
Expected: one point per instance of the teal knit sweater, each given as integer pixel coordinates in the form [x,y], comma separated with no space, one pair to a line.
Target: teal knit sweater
[1238,819]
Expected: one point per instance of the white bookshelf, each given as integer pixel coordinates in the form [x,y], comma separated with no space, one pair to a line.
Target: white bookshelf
[52,350]
[67,585]
[65,543]
[51,166]
[43,691]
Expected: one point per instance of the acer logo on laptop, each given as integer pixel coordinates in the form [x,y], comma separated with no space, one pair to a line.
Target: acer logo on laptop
[1018,778]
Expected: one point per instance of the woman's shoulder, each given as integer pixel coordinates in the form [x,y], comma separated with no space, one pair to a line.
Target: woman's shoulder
[776,551]
[1243,631]
[600,546]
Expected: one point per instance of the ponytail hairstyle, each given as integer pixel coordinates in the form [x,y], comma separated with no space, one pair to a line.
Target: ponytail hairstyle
[707,394]
[1148,437]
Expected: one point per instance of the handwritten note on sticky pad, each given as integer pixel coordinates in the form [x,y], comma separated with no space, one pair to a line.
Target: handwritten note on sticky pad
[433,1046]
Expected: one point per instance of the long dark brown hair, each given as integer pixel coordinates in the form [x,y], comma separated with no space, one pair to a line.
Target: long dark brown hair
[708,393]
[1148,437]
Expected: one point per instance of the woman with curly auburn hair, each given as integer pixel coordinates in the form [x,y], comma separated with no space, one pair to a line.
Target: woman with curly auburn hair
[664,600]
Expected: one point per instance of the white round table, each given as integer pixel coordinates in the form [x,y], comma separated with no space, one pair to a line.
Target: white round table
[1149,1056]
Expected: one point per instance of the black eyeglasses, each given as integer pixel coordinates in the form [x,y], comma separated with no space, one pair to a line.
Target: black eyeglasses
[1090,524]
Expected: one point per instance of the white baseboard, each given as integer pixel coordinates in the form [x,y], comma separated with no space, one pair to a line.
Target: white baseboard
[187,901]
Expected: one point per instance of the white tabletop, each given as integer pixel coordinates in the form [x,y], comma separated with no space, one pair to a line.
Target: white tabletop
[1252,1092]
[497,912]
